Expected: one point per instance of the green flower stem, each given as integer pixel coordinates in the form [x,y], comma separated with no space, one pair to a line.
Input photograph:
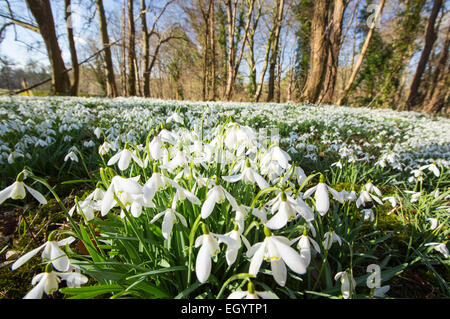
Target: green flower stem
[191,246]
[133,227]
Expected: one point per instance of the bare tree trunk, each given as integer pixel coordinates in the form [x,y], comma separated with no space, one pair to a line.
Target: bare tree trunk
[231,19]
[145,49]
[313,83]
[334,46]
[42,13]
[123,68]
[131,50]
[206,39]
[440,67]
[233,62]
[212,33]
[111,89]
[72,48]
[430,37]
[275,48]
[441,80]
[362,54]
[251,53]
[270,40]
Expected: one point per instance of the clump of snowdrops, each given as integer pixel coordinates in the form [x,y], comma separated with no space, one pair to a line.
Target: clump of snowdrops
[191,216]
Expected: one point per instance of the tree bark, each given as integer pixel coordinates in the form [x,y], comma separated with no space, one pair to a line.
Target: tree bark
[430,38]
[131,50]
[251,52]
[275,48]
[212,44]
[42,13]
[111,89]
[441,79]
[362,54]
[334,45]
[145,49]
[72,48]
[318,59]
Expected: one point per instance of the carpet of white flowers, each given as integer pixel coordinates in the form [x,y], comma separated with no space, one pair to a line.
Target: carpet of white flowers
[177,199]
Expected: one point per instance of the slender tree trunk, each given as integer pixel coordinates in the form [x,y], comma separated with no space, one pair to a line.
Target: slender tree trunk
[206,51]
[362,54]
[123,68]
[441,79]
[42,13]
[334,45]
[145,49]
[111,89]
[233,62]
[251,53]
[72,48]
[131,50]
[440,67]
[212,43]
[430,37]
[318,60]
[270,40]
[231,19]
[275,48]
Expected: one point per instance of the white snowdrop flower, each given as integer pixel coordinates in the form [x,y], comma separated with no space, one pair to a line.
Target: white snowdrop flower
[431,167]
[104,148]
[128,191]
[277,155]
[391,200]
[321,196]
[124,157]
[440,247]
[248,176]
[306,246]
[337,164]
[89,144]
[98,132]
[277,251]
[209,248]
[179,160]
[348,196]
[48,282]
[156,149]
[170,216]
[182,193]
[155,183]
[348,284]
[330,238]
[434,223]
[239,137]
[287,210]
[300,174]
[372,188]
[233,248]
[175,117]
[17,190]
[51,252]
[436,193]
[13,156]
[368,214]
[414,196]
[217,195]
[251,293]
[72,156]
